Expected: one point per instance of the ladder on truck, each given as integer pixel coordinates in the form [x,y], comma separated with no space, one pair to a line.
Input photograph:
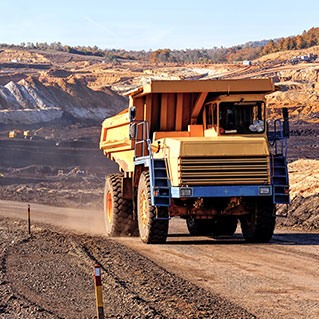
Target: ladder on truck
[278,164]
[159,177]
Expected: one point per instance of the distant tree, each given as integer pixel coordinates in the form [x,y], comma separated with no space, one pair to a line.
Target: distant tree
[300,42]
[42,46]
[218,54]
[30,45]
[57,46]
[248,51]
[270,47]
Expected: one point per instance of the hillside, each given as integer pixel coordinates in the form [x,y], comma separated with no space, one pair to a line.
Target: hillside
[40,87]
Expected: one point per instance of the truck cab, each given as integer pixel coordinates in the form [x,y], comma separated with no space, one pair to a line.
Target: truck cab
[234,116]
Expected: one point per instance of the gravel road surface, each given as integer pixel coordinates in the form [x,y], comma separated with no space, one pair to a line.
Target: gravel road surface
[189,277]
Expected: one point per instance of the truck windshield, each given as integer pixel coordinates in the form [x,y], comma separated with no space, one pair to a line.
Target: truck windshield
[241,117]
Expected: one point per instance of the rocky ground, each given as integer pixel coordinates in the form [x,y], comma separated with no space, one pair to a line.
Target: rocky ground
[302,213]
[53,278]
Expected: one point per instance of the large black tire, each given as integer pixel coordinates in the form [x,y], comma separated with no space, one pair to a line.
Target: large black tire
[199,227]
[151,229]
[224,226]
[118,213]
[258,227]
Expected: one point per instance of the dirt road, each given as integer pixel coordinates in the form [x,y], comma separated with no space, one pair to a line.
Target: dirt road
[275,280]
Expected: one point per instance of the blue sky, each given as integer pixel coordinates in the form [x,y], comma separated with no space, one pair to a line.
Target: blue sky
[152,24]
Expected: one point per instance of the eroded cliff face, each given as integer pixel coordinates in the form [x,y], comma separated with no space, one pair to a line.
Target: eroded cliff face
[44,99]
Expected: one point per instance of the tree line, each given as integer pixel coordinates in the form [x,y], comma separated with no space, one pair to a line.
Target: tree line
[247,51]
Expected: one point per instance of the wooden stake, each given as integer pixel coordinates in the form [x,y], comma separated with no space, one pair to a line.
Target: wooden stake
[98,292]
[29,220]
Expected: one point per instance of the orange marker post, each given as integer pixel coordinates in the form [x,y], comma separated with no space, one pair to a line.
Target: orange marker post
[29,220]
[98,292]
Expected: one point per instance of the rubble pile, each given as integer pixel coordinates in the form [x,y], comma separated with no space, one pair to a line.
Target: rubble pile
[33,100]
[303,212]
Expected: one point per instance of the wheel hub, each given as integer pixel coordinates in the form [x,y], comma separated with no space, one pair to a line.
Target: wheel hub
[143,209]
[109,207]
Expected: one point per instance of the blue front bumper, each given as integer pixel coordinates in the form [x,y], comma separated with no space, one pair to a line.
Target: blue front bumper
[222,191]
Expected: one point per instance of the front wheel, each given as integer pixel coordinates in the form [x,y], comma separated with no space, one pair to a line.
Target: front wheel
[258,227]
[152,221]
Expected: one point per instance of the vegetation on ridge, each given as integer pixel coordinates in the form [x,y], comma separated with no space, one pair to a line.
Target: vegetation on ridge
[248,51]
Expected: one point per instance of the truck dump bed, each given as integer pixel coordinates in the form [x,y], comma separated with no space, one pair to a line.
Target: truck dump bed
[169,107]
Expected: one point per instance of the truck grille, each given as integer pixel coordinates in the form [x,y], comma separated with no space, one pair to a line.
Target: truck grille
[225,170]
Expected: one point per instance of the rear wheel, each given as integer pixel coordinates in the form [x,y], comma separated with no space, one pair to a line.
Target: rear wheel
[152,230]
[199,227]
[258,227]
[117,210]
[225,226]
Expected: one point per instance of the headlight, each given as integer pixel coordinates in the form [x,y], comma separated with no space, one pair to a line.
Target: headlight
[265,190]
[186,192]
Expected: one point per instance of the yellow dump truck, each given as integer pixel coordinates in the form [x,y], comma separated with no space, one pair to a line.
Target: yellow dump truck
[202,150]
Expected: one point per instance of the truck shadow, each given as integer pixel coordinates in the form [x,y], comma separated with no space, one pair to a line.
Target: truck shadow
[293,239]
[296,239]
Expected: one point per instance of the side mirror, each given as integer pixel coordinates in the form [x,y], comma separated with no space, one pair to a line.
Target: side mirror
[132,113]
[286,122]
